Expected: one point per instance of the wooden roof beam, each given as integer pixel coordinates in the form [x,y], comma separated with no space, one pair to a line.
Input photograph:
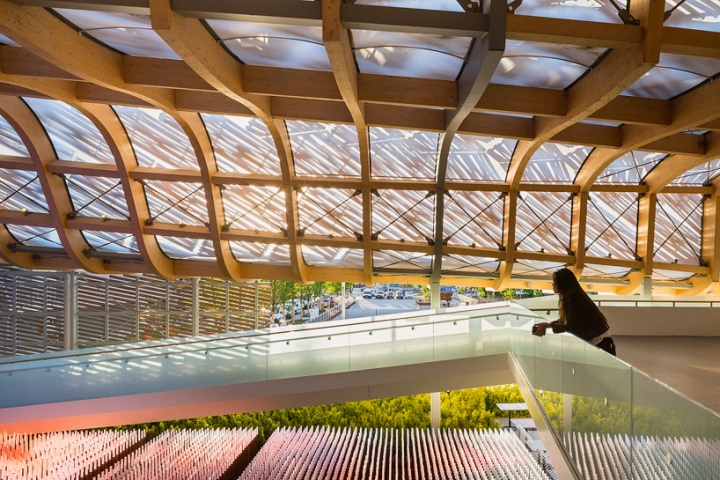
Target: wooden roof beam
[342,62]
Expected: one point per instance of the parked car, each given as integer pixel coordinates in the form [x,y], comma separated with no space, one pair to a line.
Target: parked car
[399,295]
[368,293]
[380,295]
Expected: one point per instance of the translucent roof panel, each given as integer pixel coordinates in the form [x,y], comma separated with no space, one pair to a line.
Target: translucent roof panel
[176,202]
[20,189]
[410,54]
[403,153]
[403,215]
[673,75]
[473,218]
[157,139]
[129,33]
[111,242]
[332,257]
[324,149]
[330,211]
[10,141]
[543,222]
[536,268]
[35,236]
[242,145]
[700,175]
[273,45]
[631,168]
[693,14]
[670,275]
[482,159]
[447,5]
[263,253]
[590,10]
[464,264]
[394,260]
[544,65]
[73,135]
[97,196]
[611,228]
[186,248]
[255,208]
[678,228]
[6,41]
[604,271]
[555,163]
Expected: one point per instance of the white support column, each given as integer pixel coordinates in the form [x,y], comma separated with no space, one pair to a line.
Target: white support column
[435,295]
[435,410]
[646,287]
[70,310]
[343,300]
[195,282]
[567,413]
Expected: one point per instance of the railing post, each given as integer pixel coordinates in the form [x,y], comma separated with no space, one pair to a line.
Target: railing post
[435,410]
[70,310]
[195,282]
[343,300]
[256,305]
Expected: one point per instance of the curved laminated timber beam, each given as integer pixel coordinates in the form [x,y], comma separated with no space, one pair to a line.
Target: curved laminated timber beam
[78,71]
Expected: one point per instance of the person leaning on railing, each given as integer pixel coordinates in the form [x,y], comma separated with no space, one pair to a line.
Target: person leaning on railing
[577,314]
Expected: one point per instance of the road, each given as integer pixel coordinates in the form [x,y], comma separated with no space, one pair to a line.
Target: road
[367,307]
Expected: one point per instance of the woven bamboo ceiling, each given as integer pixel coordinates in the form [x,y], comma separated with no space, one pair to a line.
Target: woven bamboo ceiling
[393,141]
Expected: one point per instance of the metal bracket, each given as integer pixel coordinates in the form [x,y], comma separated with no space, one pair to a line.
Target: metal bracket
[468,5]
[513,6]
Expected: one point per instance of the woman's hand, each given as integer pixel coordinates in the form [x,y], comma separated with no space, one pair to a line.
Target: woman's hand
[540,330]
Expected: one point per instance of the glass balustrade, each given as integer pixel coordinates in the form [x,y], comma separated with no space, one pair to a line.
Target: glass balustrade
[613,420]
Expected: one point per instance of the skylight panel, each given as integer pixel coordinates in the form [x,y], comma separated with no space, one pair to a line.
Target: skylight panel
[700,175]
[178,203]
[129,33]
[604,271]
[555,163]
[405,215]
[399,153]
[484,159]
[543,222]
[72,134]
[678,228]
[588,10]
[242,145]
[389,261]
[330,211]
[186,248]
[544,65]
[473,218]
[693,14]
[674,75]
[321,149]
[10,141]
[255,208]
[631,168]
[20,190]
[661,275]
[111,242]
[262,253]
[536,268]
[467,265]
[409,54]
[447,5]
[333,257]
[157,139]
[97,197]
[611,228]
[35,236]
[273,45]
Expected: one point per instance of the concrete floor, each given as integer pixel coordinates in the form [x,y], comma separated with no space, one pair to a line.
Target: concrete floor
[690,365]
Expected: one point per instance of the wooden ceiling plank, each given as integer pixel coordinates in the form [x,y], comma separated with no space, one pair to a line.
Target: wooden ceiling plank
[166,174]
[162,72]
[526,100]
[83,168]
[590,135]
[573,32]
[12,162]
[30,219]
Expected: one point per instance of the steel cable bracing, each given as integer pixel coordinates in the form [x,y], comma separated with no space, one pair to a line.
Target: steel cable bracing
[177,204]
[97,198]
[469,264]
[255,207]
[472,219]
[542,221]
[401,215]
[402,260]
[677,228]
[20,192]
[328,212]
[117,242]
[611,225]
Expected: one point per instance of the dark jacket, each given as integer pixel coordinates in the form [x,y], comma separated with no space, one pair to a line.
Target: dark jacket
[582,318]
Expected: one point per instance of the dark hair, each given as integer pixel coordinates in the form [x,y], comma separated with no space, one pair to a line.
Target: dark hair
[574,304]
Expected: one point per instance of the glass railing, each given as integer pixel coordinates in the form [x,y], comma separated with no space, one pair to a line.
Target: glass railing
[612,420]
